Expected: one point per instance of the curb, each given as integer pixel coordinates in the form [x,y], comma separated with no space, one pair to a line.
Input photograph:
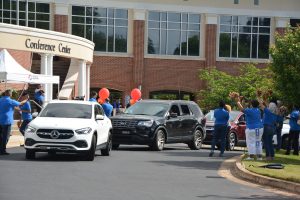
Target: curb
[239,171]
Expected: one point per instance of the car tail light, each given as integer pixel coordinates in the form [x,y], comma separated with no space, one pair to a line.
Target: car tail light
[203,121]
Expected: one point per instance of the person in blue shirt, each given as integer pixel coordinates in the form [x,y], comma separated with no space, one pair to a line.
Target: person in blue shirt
[7,106]
[39,97]
[26,112]
[294,132]
[254,128]
[270,118]
[221,116]
[93,96]
[107,107]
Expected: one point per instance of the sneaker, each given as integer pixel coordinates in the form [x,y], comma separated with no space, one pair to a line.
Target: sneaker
[211,154]
[287,153]
[221,155]
[249,158]
[260,158]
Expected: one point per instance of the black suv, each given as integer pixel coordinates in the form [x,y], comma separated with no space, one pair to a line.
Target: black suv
[156,122]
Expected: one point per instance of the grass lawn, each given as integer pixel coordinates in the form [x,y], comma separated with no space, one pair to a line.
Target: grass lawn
[291,171]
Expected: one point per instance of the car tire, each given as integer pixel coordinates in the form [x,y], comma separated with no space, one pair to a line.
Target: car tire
[30,154]
[159,141]
[230,141]
[106,151]
[90,155]
[115,146]
[197,141]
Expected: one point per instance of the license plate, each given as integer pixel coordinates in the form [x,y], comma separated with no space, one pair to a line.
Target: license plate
[126,132]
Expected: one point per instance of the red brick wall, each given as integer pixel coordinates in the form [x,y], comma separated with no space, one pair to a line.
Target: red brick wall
[280,31]
[210,44]
[112,72]
[167,74]
[24,59]
[233,67]
[61,23]
[138,52]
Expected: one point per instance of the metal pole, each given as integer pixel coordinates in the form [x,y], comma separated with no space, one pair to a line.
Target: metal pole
[18,10]
[26,14]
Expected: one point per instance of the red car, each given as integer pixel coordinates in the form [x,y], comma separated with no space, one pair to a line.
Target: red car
[236,132]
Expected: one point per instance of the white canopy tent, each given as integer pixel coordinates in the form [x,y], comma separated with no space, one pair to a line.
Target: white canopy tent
[12,72]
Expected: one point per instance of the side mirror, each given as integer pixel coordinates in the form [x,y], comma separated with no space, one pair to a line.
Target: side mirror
[35,114]
[173,115]
[99,117]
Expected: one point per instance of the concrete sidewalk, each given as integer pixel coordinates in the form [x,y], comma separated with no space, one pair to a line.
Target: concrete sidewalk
[15,141]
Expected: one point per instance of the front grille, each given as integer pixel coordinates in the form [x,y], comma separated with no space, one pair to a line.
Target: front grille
[116,123]
[59,133]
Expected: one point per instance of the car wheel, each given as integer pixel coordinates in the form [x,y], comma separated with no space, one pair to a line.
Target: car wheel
[196,144]
[91,152]
[115,146]
[230,142]
[30,154]
[106,151]
[159,141]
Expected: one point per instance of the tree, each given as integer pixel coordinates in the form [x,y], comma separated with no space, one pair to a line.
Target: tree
[286,65]
[219,84]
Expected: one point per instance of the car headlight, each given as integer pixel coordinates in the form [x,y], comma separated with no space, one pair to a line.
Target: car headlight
[30,130]
[145,123]
[83,130]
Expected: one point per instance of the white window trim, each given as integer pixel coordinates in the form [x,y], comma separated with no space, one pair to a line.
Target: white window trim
[104,53]
[180,57]
[259,60]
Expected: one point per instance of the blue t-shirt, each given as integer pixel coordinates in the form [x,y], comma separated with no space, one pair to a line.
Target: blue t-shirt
[107,107]
[293,120]
[269,118]
[93,100]
[38,96]
[222,116]
[26,115]
[7,106]
[253,118]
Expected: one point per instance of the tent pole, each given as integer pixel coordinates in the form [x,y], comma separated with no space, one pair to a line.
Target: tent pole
[22,92]
[58,91]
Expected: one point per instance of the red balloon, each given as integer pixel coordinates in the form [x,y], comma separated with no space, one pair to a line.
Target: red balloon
[136,94]
[104,93]
[101,101]
[132,101]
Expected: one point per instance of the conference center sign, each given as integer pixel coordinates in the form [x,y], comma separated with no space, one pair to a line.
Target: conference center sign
[44,41]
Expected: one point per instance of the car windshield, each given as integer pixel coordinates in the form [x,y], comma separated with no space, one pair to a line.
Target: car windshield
[148,108]
[67,110]
[232,116]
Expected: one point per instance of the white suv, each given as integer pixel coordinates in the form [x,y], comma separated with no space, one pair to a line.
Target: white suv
[69,126]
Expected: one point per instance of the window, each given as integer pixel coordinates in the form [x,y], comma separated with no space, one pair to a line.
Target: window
[106,27]
[185,110]
[173,33]
[38,13]
[98,110]
[175,109]
[244,37]
[236,1]
[67,110]
[256,2]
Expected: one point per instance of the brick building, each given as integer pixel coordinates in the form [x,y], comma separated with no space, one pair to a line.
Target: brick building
[160,45]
